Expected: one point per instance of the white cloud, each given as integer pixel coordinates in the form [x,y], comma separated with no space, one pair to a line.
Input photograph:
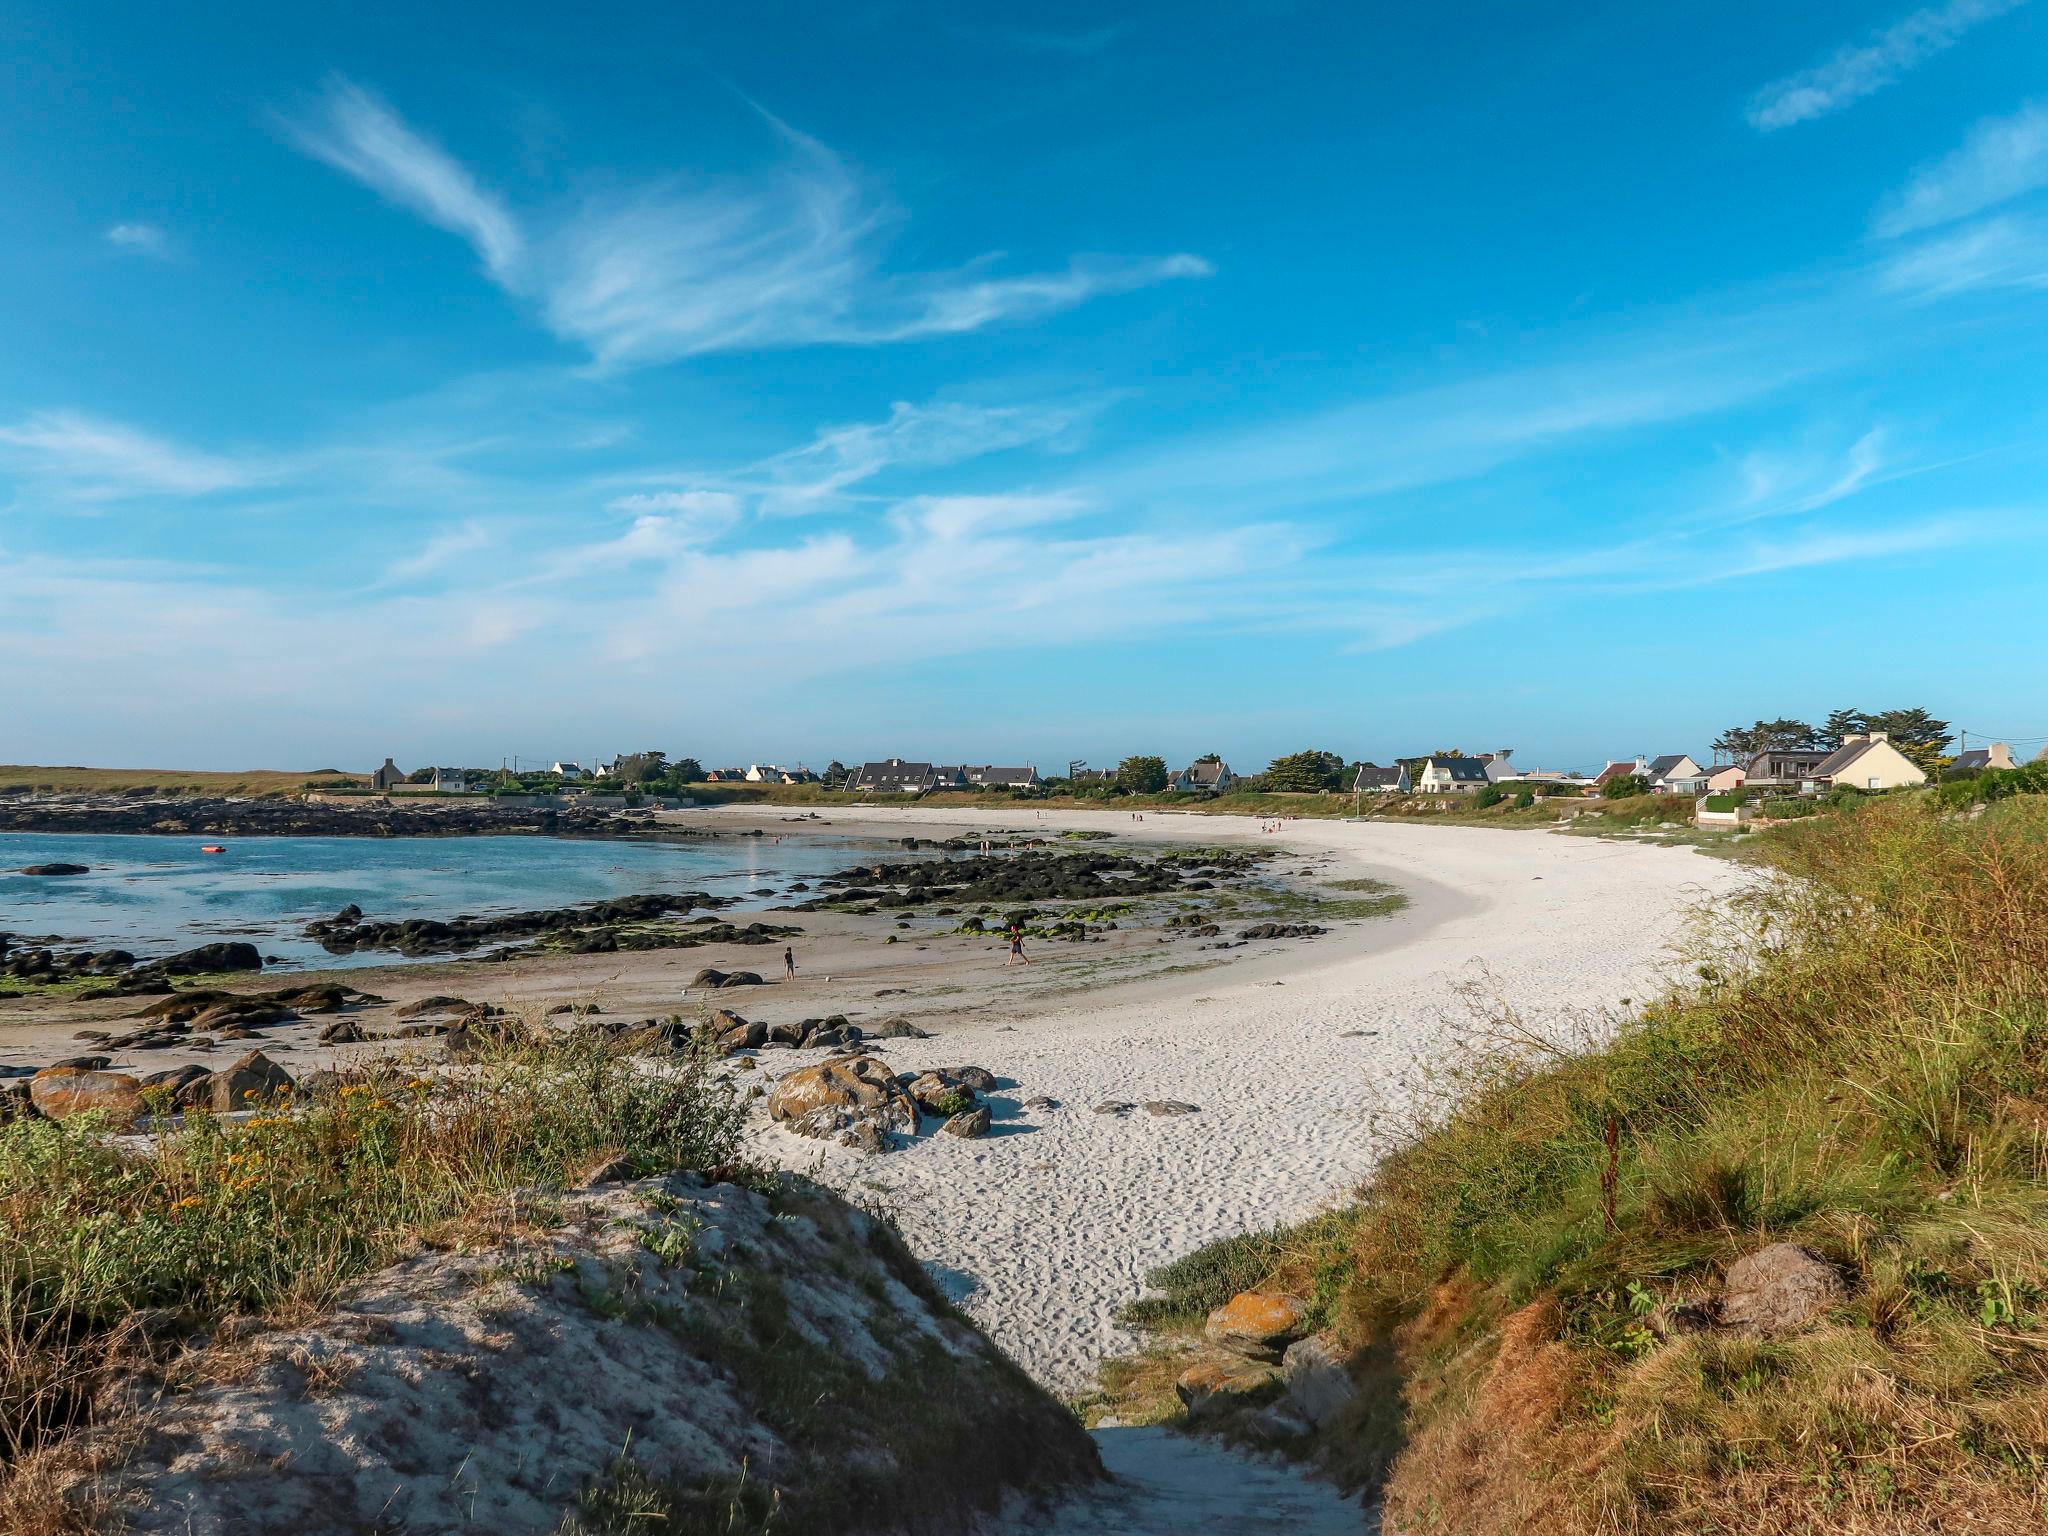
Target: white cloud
[927,436]
[693,265]
[1999,252]
[441,550]
[96,460]
[143,239]
[1859,70]
[362,137]
[959,517]
[2003,158]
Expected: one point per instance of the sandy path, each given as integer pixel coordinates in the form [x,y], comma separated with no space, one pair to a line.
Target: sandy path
[1043,1229]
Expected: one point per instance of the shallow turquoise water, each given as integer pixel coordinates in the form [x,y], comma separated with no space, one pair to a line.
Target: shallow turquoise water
[153,894]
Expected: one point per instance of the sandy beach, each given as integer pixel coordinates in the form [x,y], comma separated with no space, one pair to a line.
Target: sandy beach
[1292,1052]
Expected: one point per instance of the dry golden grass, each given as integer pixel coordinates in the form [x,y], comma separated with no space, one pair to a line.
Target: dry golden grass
[16,777]
[1860,1065]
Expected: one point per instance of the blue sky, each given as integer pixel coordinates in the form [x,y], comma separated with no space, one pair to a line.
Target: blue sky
[780,382]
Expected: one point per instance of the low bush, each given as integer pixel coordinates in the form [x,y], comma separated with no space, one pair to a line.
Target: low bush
[277,1212]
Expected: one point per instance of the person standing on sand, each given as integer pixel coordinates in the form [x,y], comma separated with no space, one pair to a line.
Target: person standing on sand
[788,964]
[1017,946]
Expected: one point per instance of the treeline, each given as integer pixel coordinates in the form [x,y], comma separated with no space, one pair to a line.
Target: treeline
[1915,732]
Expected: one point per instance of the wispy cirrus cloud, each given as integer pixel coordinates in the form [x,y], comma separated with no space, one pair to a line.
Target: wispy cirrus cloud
[360,136]
[1857,70]
[2002,252]
[142,239]
[687,265]
[2003,158]
[91,459]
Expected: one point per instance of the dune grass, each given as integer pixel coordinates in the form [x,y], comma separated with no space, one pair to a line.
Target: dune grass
[272,1215]
[1860,1064]
[20,778]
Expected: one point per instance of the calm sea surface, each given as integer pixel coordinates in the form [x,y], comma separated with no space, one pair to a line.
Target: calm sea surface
[153,894]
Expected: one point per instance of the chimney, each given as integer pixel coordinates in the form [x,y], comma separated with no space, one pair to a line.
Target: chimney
[1503,754]
[1877,736]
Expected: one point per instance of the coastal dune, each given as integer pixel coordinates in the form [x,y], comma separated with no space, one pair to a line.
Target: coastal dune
[1298,1063]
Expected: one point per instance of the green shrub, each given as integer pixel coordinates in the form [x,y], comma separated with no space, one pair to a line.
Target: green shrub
[1493,794]
[281,1210]
[1524,798]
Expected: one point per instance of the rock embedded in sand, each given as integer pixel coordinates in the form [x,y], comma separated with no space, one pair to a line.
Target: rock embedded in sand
[58,1093]
[1114,1107]
[849,1094]
[1168,1108]
[969,1123]
[1257,1324]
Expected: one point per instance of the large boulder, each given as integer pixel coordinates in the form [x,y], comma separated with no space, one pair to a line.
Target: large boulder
[856,1096]
[940,1093]
[231,956]
[56,869]
[969,1124]
[1779,1290]
[61,1092]
[251,1081]
[1257,1324]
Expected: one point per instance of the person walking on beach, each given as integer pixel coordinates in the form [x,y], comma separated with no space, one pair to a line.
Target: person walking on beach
[1017,946]
[788,964]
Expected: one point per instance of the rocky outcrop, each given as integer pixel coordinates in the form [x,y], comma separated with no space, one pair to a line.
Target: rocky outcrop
[594,927]
[56,869]
[1257,1324]
[854,1100]
[1777,1290]
[59,1093]
[642,1355]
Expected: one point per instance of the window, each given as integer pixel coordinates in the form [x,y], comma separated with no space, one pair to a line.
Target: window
[1873,782]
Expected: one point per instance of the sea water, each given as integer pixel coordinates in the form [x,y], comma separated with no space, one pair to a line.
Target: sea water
[153,893]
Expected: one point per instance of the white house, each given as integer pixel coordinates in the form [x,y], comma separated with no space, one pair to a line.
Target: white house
[568,773]
[1867,761]
[992,776]
[450,781]
[1497,765]
[1205,775]
[1673,774]
[1375,780]
[1452,776]
[763,773]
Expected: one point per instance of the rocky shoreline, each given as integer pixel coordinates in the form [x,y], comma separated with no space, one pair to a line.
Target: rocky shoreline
[224,817]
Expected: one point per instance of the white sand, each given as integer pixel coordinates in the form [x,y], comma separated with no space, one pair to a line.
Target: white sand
[1047,1226]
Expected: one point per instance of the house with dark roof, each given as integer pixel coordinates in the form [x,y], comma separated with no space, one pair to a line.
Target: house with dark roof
[1867,760]
[1977,759]
[894,776]
[1783,767]
[1205,775]
[1375,780]
[390,776]
[990,776]
[1497,765]
[1674,773]
[1452,776]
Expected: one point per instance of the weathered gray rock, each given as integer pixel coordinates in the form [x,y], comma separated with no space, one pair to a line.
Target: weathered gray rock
[484,1389]
[1317,1385]
[842,1095]
[969,1123]
[1170,1107]
[1779,1290]
[1216,1386]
